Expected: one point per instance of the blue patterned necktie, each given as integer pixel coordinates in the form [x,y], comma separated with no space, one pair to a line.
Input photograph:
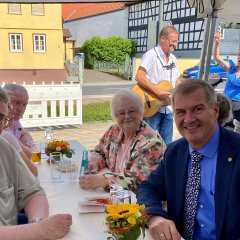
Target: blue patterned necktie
[191,196]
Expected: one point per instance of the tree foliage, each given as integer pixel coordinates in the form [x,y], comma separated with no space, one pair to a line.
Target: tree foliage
[112,49]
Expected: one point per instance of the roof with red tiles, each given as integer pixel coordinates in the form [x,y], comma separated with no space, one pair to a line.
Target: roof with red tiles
[81,10]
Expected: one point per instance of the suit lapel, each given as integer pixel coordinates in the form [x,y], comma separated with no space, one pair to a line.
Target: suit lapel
[181,176]
[225,164]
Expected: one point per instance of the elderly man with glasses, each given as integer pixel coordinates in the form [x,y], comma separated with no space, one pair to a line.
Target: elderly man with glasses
[160,64]
[19,101]
[20,190]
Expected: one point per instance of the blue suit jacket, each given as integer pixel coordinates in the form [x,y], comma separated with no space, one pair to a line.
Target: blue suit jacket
[168,182]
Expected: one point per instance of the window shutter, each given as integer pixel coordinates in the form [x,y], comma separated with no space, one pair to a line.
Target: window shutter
[38,9]
[14,8]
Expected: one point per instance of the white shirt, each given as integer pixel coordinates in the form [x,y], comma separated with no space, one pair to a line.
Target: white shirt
[153,61]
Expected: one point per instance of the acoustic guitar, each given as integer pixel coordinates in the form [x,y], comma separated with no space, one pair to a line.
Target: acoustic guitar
[150,101]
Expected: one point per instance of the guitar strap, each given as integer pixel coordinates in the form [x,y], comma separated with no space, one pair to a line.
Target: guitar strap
[167,67]
[147,99]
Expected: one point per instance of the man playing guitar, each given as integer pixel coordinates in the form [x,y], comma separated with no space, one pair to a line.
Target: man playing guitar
[160,64]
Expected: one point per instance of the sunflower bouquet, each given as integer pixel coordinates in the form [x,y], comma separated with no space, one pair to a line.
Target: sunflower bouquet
[59,146]
[126,221]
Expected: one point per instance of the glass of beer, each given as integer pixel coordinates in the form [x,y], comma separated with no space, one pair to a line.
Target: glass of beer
[36,152]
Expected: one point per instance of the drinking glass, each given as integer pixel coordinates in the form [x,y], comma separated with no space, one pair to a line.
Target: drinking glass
[123,196]
[114,189]
[56,166]
[72,169]
[36,152]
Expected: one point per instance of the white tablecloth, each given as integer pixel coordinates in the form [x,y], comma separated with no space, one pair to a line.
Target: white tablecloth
[63,198]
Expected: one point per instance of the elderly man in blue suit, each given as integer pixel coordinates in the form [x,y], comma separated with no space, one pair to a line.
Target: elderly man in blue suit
[199,176]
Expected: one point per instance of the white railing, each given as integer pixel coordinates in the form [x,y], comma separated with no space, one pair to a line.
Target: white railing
[53,104]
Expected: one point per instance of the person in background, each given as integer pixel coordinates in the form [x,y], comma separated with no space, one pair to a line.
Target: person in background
[20,190]
[160,64]
[199,174]
[232,87]
[130,150]
[8,135]
[19,100]
[225,109]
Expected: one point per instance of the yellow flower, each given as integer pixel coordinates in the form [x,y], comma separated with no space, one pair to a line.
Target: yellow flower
[123,209]
[132,220]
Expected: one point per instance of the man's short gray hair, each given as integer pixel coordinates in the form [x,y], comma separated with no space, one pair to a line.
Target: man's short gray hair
[167,30]
[15,87]
[190,85]
[125,94]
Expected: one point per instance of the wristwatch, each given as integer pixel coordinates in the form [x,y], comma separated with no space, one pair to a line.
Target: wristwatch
[35,220]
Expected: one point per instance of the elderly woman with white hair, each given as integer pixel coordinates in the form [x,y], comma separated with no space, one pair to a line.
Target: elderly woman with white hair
[130,149]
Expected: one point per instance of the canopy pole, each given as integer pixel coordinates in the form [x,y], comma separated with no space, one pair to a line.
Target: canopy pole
[204,48]
[210,45]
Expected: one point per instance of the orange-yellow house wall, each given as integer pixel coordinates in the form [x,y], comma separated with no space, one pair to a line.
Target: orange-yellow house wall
[69,50]
[49,24]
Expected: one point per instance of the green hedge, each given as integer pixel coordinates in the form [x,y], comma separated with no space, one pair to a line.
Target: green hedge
[112,49]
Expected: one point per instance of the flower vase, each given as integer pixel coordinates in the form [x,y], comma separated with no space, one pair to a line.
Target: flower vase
[134,234]
[120,234]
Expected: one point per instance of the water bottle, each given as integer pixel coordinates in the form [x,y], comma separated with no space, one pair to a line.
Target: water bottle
[84,164]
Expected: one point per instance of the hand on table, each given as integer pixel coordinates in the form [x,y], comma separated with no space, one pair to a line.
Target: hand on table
[92,181]
[55,226]
[163,229]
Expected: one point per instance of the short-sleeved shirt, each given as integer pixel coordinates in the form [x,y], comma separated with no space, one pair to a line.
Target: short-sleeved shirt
[157,69]
[17,184]
[15,129]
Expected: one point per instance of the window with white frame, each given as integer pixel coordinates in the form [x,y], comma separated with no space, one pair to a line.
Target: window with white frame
[15,40]
[39,43]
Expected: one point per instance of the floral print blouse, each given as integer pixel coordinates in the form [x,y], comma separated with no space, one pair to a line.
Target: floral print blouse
[145,152]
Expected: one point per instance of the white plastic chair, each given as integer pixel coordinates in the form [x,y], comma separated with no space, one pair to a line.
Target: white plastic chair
[236,124]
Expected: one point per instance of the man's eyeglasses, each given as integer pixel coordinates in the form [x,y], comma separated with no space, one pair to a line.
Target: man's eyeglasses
[175,43]
[4,120]
[130,113]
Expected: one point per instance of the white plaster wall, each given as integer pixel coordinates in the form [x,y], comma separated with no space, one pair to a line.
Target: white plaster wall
[105,25]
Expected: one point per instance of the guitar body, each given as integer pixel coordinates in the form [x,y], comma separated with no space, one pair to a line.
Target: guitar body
[150,101]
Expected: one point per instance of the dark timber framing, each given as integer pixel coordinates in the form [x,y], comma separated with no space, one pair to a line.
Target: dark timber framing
[175,11]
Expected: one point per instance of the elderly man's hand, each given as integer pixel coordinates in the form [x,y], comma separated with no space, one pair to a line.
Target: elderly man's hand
[92,181]
[55,226]
[163,229]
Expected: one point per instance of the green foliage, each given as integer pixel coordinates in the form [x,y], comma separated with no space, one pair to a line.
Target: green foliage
[227,25]
[94,112]
[112,49]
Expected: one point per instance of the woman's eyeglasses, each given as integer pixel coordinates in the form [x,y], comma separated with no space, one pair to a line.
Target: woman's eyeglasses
[130,113]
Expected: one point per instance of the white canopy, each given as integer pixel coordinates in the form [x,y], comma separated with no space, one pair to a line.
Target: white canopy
[230,10]
[227,9]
